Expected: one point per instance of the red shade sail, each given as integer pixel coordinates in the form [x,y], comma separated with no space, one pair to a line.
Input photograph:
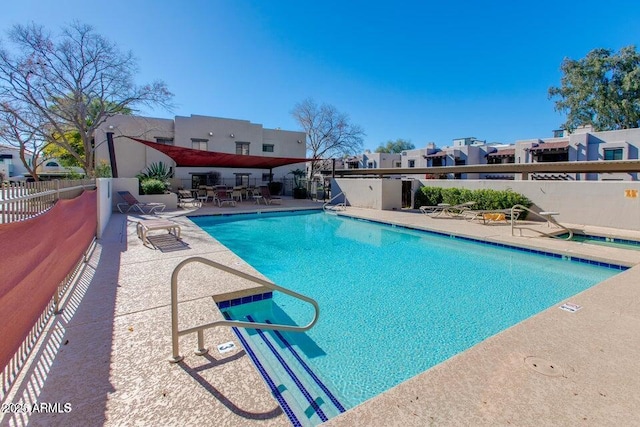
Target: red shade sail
[188,157]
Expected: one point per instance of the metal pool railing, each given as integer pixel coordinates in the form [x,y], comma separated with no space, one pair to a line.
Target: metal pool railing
[327,206]
[548,218]
[176,332]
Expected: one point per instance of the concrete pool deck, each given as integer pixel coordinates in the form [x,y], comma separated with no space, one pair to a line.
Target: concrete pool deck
[106,353]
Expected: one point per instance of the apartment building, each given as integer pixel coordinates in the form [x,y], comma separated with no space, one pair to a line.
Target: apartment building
[11,165]
[369,160]
[206,134]
[584,144]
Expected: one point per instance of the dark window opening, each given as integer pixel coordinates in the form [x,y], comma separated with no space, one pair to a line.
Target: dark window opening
[242,179]
[552,156]
[242,148]
[459,162]
[613,154]
[164,141]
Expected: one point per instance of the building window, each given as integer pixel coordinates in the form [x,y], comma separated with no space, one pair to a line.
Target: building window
[437,161]
[370,165]
[552,156]
[199,144]
[267,177]
[164,141]
[52,165]
[242,148]
[613,154]
[353,164]
[459,162]
[242,179]
[398,164]
[412,163]
[267,148]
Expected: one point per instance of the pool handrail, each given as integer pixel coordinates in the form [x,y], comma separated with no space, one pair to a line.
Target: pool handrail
[338,206]
[176,333]
[547,218]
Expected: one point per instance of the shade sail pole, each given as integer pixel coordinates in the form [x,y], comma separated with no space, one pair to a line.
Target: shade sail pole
[112,155]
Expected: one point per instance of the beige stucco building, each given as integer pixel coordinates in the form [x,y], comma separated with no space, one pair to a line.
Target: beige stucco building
[584,144]
[205,133]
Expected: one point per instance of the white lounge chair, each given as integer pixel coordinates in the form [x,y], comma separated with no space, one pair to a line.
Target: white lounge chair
[445,209]
[268,198]
[145,226]
[489,216]
[222,198]
[132,204]
[185,198]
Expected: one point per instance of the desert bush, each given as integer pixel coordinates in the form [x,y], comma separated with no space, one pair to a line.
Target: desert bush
[486,199]
[153,186]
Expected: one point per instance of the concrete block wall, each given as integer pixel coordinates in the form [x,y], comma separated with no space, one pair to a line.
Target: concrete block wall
[382,194]
[105,208]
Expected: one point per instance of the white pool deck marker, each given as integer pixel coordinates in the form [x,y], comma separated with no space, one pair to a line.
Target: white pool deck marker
[226,347]
[570,307]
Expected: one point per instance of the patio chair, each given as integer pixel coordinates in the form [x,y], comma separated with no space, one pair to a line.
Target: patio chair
[267,197]
[185,198]
[133,204]
[236,194]
[209,195]
[445,209]
[222,197]
[489,216]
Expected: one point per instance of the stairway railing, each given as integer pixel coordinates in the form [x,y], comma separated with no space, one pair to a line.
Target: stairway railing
[176,332]
[547,218]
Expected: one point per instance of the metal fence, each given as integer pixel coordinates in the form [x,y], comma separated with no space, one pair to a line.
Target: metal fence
[24,200]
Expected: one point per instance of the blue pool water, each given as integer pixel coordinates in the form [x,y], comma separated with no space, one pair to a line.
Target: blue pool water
[604,241]
[394,302]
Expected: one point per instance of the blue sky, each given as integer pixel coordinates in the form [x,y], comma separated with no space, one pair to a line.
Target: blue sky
[422,71]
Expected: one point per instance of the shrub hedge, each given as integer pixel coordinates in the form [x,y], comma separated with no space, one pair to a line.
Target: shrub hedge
[153,186]
[486,199]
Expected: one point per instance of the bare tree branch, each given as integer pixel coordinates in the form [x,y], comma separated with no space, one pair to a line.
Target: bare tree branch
[329,132]
[53,87]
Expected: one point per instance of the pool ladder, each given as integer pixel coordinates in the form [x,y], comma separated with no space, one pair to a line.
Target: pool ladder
[176,332]
[328,207]
[547,218]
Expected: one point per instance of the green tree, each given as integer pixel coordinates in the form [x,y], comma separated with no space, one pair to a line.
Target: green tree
[66,158]
[75,140]
[53,89]
[397,146]
[602,89]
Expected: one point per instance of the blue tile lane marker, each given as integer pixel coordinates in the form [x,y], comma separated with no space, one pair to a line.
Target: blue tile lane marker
[306,367]
[293,376]
[244,300]
[484,242]
[275,390]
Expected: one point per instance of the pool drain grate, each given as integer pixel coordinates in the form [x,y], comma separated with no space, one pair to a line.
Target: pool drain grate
[543,367]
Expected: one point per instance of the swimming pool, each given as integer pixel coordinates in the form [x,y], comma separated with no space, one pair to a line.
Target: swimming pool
[613,242]
[394,301]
